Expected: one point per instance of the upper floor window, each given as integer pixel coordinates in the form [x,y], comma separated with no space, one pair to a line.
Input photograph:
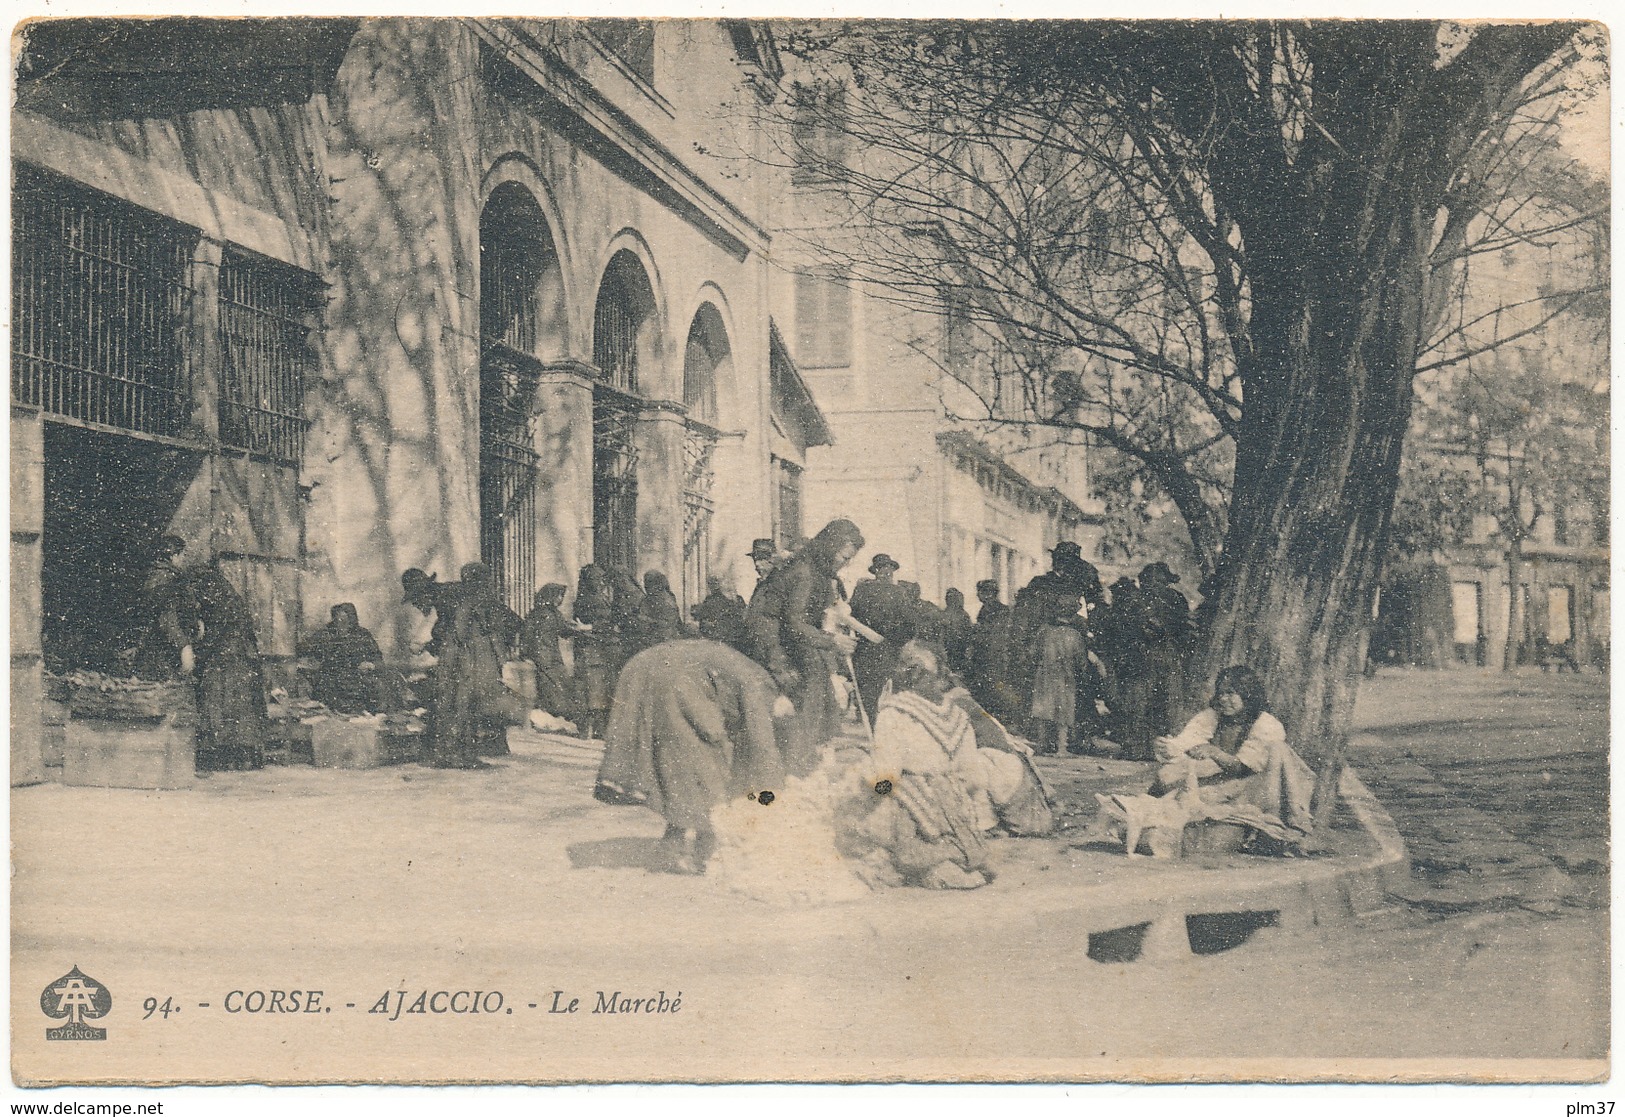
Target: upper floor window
[818,132]
[823,320]
[957,350]
[632,41]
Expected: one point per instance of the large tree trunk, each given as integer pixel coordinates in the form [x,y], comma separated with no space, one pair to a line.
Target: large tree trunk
[1336,284]
[1337,239]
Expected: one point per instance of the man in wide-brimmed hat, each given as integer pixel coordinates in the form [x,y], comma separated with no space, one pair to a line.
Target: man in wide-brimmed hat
[883,605]
[764,556]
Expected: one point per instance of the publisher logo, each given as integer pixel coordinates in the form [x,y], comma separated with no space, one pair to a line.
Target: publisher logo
[74,997]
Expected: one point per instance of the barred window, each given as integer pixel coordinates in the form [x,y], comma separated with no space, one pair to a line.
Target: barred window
[266,310]
[98,294]
[788,529]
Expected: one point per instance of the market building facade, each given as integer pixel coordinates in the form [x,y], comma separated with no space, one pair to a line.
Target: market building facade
[329,299]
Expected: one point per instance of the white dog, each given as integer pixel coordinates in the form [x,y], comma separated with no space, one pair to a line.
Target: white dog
[1158,820]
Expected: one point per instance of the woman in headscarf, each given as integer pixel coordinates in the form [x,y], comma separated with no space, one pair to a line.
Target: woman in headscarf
[1246,772]
[785,627]
[232,722]
[934,792]
[539,635]
[346,668]
[597,650]
[472,708]
[658,617]
[691,729]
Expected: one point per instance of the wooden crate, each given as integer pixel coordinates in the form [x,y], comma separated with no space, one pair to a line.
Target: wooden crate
[287,741]
[157,753]
[339,743]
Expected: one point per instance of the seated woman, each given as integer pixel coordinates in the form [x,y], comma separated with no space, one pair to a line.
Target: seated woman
[1246,772]
[935,793]
[346,670]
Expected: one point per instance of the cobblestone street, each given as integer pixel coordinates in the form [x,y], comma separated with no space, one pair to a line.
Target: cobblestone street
[1498,783]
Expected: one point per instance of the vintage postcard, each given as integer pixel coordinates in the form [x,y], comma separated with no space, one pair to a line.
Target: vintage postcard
[555,550]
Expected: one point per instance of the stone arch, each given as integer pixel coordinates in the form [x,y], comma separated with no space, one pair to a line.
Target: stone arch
[629,320]
[711,326]
[517,188]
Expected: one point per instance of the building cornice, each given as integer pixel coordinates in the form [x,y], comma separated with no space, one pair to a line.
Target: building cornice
[620,142]
[111,170]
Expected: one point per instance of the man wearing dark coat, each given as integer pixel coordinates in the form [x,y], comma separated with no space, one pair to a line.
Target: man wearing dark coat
[989,654]
[957,633]
[1168,635]
[1120,634]
[887,608]
[765,558]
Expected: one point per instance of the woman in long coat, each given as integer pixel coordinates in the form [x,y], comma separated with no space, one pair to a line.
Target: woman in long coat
[597,651]
[232,723]
[785,629]
[691,729]
[471,705]
[544,626]
[168,615]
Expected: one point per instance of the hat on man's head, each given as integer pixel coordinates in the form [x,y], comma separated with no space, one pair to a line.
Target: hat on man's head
[1066,549]
[883,561]
[763,549]
[1155,570]
[476,572]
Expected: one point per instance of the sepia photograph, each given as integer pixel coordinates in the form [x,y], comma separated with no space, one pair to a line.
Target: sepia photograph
[560,550]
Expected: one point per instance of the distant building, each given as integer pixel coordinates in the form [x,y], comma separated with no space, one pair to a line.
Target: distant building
[952,490]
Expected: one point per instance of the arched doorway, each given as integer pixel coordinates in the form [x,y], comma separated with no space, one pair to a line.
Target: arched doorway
[521,322]
[626,339]
[707,362]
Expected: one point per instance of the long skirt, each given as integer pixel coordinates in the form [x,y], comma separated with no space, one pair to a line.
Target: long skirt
[231,714]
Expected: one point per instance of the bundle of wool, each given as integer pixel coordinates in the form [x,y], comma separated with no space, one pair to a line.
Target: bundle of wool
[782,848]
[544,722]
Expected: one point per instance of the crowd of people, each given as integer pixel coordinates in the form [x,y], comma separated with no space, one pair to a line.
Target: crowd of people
[748,696]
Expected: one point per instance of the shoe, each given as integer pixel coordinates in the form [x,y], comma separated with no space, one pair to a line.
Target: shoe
[617,796]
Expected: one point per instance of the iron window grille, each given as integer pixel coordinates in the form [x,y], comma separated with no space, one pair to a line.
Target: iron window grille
[99,294]
[789,494]
[266,312]
[614,478]
[615,340]
[508,468]
[699,475]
